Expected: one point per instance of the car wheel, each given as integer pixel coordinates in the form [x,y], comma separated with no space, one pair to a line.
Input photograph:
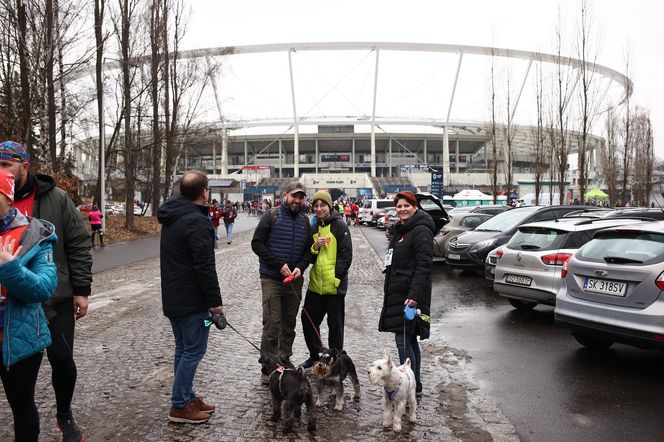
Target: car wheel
[522,306]
[592,342]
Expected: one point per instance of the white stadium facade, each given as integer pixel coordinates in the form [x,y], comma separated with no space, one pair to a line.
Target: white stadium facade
[376,116]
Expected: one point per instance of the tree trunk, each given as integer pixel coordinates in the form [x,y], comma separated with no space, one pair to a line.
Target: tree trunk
[156,39]
[128,150]
[99,59]
[24,67]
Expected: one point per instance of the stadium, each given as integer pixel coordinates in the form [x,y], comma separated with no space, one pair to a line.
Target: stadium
[372,118]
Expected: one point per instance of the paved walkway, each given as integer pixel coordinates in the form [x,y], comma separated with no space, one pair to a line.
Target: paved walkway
[124,355]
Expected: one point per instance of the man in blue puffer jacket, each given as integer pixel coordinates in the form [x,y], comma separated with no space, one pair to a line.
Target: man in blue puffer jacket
[28,277]
[281,241]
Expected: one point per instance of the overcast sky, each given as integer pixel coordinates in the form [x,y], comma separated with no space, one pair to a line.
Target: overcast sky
[517,24]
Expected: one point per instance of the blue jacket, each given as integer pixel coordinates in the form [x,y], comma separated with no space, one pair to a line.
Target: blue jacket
[281,237]
[30,279]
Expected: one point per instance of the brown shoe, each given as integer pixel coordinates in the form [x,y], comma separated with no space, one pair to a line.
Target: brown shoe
[188,415]
[202,406]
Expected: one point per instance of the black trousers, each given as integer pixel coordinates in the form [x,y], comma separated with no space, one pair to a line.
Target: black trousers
[61,357]
[19,382]
[315,308]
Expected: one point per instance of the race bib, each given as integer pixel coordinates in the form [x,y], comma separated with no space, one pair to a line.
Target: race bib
[388,257]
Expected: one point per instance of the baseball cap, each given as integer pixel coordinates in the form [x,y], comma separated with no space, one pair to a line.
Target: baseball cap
[295,187]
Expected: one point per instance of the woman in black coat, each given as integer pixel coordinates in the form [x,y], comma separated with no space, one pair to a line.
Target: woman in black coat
[408,266]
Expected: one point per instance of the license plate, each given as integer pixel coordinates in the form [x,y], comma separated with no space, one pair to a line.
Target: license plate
[454,257]
[605,287]
[518,279]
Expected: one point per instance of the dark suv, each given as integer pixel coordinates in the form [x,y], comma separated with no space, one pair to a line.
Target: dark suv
[469,249]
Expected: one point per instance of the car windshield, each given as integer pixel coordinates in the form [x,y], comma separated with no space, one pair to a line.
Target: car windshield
[625,247]
[506,220]
[532,238]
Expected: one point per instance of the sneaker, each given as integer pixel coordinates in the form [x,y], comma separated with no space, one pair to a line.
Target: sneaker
[418,389]
[228,242]
[188,415]
[202,406]
[70,431]
[265,379]
[308,363]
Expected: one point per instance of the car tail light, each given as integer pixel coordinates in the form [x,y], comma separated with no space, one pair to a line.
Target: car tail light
[563,272]
[370,212]
[660,281]
[659,338]
[499,253]
[556,259]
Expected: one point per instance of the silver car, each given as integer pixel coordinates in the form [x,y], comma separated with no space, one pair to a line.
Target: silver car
[613,289]
[528,267]
[459,222]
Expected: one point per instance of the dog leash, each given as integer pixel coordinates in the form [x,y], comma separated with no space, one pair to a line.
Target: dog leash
[242,336]
[289,280]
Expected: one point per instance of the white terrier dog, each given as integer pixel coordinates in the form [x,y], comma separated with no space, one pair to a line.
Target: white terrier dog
[399,388]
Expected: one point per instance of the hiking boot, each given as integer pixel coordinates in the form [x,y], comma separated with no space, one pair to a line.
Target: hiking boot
[265,379]
[188,415]
[418,389]
[308,363]
[70,431]
[202,406]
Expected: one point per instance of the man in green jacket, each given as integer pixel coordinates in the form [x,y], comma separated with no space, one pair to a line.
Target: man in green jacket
[37,196]
[332,251]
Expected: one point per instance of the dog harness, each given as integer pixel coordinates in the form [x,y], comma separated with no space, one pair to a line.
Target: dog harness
[391,393]
[280,369]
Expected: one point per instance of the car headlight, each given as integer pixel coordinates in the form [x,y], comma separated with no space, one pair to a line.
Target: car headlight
[483,244]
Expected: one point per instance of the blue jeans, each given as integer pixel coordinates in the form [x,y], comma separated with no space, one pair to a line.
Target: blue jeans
[409,348]
[229,231]
[191,338]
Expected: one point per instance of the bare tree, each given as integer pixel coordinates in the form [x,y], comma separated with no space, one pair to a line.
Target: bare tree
[538,133]
[493,133]
[609,156]
[100,41]
[589,97]
[626,135]
[563,88]
[644,157]
[157,40]
[509,131]
[24,68]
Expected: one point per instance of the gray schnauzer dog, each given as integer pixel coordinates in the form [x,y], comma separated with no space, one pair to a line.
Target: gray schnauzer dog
[332,368]
[291,386]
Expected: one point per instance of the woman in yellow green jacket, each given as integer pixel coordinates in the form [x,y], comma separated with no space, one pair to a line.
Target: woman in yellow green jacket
[332,254]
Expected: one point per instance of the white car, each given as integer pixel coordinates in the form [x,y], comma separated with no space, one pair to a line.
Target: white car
[528,267]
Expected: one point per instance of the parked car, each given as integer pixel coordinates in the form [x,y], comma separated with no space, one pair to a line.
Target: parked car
[369,206]
[637,212]
[469,249]
[614,288]
[384,221]
[379,213]
[529,265]
[432,205]
[491,209]
[490,264]
[459,223]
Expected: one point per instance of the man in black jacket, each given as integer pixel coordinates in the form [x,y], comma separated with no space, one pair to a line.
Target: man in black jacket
[189,289]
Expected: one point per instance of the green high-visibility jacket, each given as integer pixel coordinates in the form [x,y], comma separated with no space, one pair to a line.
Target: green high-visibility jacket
[329,275]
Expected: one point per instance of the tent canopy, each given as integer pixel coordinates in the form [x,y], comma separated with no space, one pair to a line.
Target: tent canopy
[598,194]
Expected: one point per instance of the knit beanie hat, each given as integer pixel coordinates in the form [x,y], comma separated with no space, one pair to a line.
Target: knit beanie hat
[7,184]
[323,196]
[408,196]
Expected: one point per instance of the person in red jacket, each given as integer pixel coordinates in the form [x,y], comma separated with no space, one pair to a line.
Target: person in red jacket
[215,215]
[95,217]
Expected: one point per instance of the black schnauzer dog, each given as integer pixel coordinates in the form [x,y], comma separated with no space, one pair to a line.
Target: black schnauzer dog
[332,368]
[290,385]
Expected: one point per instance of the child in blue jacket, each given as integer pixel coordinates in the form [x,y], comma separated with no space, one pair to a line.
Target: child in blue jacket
[28,277]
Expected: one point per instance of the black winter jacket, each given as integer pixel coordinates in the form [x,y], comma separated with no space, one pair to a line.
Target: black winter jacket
[188,275]
[409,275]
